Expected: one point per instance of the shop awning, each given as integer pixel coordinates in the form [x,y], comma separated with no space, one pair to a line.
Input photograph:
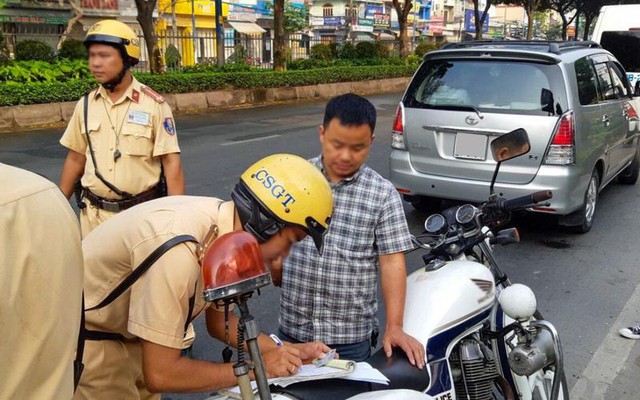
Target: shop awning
[385,36]
[248,28]
[34,16]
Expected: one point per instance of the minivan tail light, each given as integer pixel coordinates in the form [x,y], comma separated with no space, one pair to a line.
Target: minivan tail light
[631,112]
[397,132]
[562,149]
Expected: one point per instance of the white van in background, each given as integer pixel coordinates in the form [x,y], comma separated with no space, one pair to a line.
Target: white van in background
[618,30]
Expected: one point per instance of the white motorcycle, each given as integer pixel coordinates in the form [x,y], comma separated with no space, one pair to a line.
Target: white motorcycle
[484,338]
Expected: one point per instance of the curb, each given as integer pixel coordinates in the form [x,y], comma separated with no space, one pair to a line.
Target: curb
[51,115]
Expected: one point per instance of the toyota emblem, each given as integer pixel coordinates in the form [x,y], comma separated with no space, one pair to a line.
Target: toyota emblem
[471,120]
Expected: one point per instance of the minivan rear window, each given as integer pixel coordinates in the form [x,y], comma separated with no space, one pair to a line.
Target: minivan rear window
[491,85]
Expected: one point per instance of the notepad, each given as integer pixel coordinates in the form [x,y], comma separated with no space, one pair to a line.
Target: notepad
[340,369]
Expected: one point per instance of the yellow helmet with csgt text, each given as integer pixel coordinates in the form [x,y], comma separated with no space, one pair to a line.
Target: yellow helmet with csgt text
[281,190]
[117,34]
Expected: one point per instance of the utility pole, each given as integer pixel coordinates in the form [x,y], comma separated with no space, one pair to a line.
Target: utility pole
[219,33]
[415,20]
[193,28]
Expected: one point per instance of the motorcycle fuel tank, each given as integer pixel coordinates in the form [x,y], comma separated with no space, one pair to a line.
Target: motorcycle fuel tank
[441,299]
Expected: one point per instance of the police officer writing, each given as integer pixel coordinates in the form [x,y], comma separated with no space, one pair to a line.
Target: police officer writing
[134,339]
[121,138]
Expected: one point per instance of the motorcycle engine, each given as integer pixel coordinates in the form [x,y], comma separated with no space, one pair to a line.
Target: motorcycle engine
[473,370]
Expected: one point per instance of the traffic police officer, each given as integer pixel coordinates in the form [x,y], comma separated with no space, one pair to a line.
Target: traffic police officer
[279,200]
[128,137]
[41,286]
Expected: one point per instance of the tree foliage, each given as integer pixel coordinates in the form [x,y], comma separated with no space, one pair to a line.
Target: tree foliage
[530,7]
[33,50]
[73,50]
[296,18]
[564,8]
[588,11]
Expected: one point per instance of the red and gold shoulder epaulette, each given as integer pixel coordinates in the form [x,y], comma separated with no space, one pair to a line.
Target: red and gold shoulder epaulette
[152,93]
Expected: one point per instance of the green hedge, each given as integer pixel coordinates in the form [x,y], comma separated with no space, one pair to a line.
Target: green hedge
[311,63]
[48,92]
[41,71]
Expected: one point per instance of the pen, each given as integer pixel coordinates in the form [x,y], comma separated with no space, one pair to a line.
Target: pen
[276,339]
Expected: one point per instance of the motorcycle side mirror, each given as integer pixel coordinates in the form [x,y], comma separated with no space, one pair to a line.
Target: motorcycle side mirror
[508,146]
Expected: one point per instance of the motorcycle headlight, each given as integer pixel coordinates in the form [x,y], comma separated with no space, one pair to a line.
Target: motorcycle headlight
[518,302]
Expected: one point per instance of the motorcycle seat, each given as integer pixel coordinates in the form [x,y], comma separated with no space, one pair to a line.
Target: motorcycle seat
[401,374]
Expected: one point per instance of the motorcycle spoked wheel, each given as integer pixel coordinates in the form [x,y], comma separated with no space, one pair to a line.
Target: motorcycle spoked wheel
[537,386]
[563,393]
[543,391]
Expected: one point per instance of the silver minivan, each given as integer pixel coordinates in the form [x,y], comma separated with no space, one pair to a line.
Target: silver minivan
[572,98]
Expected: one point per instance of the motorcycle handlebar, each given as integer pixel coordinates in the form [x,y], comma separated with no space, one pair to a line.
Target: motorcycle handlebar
[524,201]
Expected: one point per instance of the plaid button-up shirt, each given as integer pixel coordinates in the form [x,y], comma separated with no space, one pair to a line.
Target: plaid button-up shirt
[333,297]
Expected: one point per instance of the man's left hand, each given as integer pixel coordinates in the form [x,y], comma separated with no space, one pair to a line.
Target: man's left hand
[396,337]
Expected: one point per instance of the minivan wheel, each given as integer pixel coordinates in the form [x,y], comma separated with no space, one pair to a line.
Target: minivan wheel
[588,210]
[423,203]
[629,176]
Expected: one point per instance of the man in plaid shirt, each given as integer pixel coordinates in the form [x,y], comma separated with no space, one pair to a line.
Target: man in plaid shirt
[332,297]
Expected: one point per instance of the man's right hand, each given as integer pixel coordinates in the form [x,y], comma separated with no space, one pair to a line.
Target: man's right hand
[310,351]
[281,361]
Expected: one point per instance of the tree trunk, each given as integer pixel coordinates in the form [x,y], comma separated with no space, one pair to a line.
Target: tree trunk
[403,12]
[478,20]
[174,27]
[278,36]
[587,25]
[77,15]
[565,25]
[578,12]
[145,19]
[530,18]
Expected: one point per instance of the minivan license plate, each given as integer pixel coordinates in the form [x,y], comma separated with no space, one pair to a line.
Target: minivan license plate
[470,146]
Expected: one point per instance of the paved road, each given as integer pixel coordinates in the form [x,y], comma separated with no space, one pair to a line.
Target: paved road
[586,284]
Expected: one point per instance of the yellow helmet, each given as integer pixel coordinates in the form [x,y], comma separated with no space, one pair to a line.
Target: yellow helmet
[117,34]
[281,190]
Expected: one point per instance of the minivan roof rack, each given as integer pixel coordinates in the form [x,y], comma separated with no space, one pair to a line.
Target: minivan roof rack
[555,47]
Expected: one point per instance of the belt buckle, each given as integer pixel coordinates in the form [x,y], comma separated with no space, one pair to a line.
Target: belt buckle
[111,206]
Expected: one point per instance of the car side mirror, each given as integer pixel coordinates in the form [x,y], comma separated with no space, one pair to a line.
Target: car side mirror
[546,100]
[636,90]
[510,145]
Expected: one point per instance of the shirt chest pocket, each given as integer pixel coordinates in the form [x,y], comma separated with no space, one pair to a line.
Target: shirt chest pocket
[93,126]
[356,238]
[137,140]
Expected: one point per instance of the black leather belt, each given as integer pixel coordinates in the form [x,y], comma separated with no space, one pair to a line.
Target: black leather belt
[120,205]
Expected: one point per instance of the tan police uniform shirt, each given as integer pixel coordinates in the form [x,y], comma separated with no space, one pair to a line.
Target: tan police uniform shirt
[139,126]
[156,307]
[40,287]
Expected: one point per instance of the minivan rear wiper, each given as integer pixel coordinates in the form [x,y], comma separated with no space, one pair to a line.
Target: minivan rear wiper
[457,107]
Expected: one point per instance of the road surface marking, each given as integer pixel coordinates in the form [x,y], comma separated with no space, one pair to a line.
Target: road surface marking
[249,140]
[610,357]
